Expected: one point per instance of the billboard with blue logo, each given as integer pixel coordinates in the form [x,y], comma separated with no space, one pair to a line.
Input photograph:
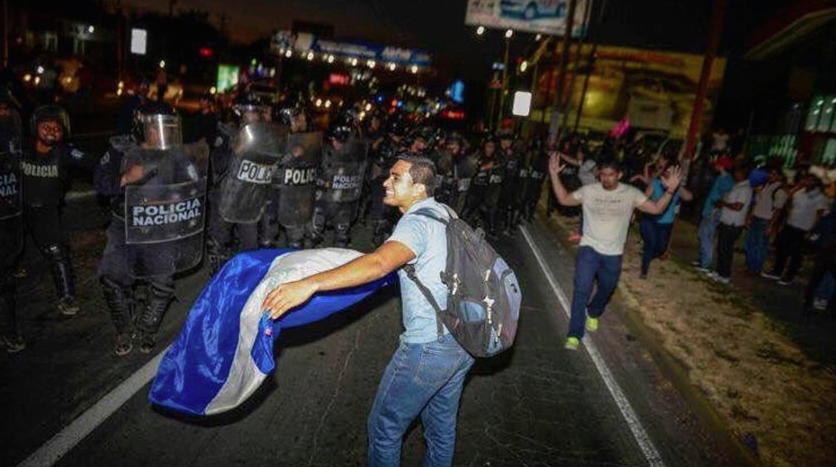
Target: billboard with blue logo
[535,16]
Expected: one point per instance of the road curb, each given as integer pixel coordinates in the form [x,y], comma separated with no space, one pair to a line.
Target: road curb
[670,366]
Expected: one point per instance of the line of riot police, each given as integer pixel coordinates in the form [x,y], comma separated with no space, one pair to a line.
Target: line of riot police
[264,178]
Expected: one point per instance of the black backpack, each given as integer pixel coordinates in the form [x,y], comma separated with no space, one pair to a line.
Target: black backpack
[483,295]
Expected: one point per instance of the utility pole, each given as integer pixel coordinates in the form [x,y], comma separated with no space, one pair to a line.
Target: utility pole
[714,33]
[5,33]
[564,62]
[590,62]
[568,102]
[508,34]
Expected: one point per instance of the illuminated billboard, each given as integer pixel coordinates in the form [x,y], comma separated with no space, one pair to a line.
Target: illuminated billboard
[535,16]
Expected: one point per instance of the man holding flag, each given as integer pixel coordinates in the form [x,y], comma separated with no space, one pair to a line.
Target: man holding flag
[426,374]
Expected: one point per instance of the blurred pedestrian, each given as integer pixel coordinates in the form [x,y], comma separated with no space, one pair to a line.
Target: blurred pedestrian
[723,183]
[733,209]
[807,206]
[656,230]
[765,215]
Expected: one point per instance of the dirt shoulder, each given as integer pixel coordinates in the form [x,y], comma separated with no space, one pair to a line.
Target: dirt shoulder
[761,385]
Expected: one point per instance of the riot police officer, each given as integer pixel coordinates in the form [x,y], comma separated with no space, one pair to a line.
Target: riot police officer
[508,154]
[294,185]
[486,188]
[242,162]
[11,228]
[44,174]
[157,225]
[339,183]
[383,155]
[532,175]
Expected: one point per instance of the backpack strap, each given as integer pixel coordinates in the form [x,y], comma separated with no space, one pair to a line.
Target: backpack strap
[410,268]
[410,273]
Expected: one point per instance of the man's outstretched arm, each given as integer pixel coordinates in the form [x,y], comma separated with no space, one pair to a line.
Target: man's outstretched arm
[563,196]
[367,268]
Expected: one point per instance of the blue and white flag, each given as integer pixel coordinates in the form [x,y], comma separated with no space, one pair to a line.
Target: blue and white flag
[225,349]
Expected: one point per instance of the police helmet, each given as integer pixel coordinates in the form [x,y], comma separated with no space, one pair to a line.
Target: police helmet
[50,113]
[342,127]
[249,108]
[157,124]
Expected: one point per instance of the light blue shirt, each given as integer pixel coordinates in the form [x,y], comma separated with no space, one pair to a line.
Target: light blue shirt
[722,185]
[426,238]
[669,215]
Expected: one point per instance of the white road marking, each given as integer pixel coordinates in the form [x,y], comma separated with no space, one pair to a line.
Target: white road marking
[72,434]
[636,428]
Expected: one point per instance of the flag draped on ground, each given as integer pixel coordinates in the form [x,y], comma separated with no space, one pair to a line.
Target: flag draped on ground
[225,348]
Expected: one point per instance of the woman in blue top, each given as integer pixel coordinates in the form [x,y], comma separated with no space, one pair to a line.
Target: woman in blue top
[656,230]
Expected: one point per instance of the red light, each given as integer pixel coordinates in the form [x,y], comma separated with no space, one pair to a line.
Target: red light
[394,103]
[339,79]
[453,114]
[206,52]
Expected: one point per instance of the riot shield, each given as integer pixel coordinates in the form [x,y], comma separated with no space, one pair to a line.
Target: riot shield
[295,178]
[343,171]
[245,190]
[165,208]
[10,183]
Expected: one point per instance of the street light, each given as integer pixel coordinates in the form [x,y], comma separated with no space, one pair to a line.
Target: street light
[509,33]
[523,66]
[91,29]
[289,53]
[162,63]
[414,69]
[310,56]
[480,30]
[371,64]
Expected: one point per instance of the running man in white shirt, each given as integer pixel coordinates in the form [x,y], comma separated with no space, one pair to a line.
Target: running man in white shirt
[607,208]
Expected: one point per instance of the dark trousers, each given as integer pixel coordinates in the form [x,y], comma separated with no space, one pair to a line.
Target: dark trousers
[655,238]
[11,241]
[727,235]
[825,262]
[591,265]
[789,246]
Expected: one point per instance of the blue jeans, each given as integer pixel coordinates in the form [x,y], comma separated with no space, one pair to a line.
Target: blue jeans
[706,233]
[589,265]
[421,379]
[655,237]
[757,244]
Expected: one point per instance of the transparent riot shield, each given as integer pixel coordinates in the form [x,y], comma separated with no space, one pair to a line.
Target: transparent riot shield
[10,182]
[165,210]
[343,171]
[256,152]
[296,178]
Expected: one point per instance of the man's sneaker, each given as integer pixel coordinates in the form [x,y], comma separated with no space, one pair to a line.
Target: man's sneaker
[591,324]
[784,282]
[13,343]
[820,304]
[572,343]
[696,264]
[146,342]
[721,279]
[773,277]
[67,307]
[123,345]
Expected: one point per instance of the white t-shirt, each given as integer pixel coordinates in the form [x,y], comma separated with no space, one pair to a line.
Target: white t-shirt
[805,205]
[771,198]
[606,215]
[741,193]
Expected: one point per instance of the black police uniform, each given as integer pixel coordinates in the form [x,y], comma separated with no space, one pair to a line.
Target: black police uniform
[44,178]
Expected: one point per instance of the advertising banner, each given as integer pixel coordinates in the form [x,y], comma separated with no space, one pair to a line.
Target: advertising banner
[535,16]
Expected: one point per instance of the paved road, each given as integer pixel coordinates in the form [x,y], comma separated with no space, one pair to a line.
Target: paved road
[535,405]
